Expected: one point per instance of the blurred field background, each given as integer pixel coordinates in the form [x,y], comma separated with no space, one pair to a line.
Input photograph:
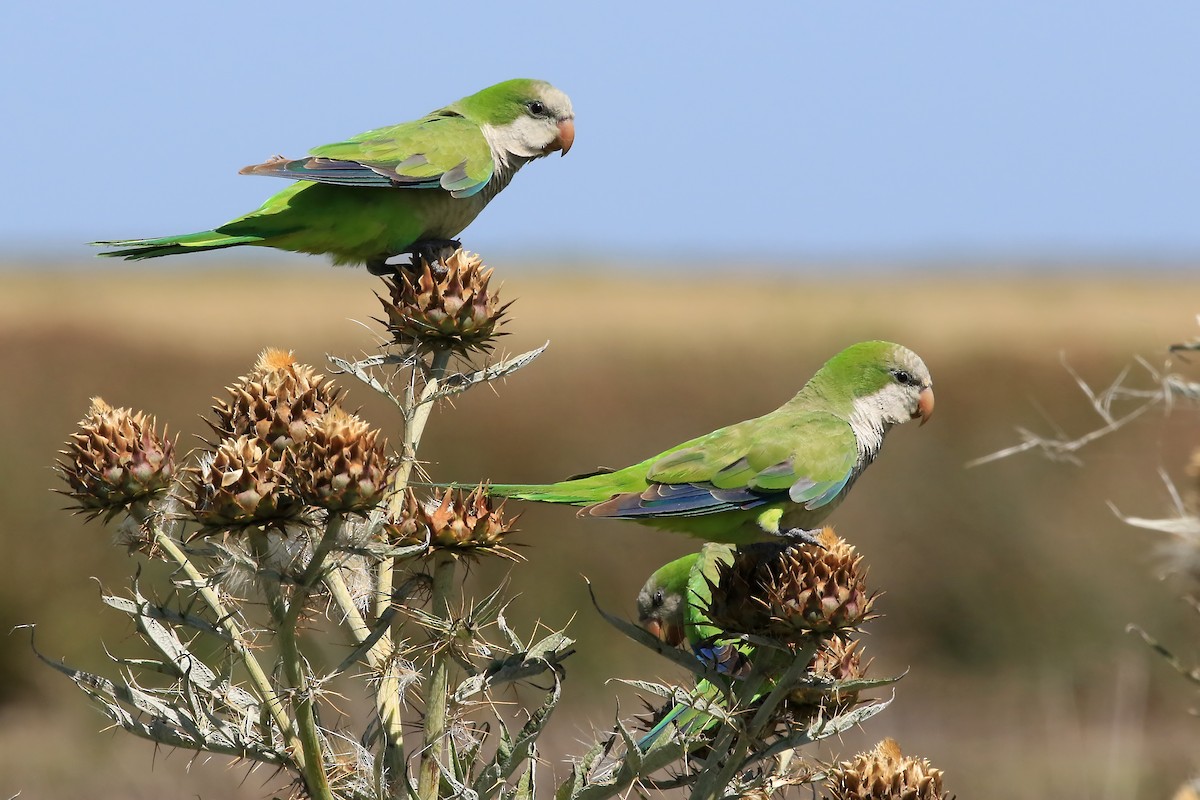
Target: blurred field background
[1007,586]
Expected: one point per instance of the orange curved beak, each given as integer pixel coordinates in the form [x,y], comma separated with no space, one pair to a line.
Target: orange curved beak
[566,135]
[924,405]
[671,634]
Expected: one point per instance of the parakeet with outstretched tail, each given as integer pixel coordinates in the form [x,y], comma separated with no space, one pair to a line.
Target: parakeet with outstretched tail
[406,188]
[780,474]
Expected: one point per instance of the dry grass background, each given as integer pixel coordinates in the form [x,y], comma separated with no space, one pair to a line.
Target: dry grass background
[1007,587]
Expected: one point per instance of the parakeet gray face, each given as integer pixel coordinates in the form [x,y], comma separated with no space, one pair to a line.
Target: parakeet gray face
[545,124]
[660,612]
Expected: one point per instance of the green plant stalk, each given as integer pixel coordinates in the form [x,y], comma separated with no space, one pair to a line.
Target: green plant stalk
[389,683]
[436,690]
[263,689]
[316,782]
[416,415]
[312,573]
[387,697]
[732,746]
[359,629]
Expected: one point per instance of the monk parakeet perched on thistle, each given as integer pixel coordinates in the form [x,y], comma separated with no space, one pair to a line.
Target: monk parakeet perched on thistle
[779,474]
[406,188]
[673,606]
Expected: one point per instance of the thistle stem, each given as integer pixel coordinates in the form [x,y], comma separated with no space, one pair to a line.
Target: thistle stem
[316,782]
[387,699]
[436,690]
[312,573]
[263,689]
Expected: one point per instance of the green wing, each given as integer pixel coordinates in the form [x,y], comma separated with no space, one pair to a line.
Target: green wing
[807,457]
[702,577]
[440,151]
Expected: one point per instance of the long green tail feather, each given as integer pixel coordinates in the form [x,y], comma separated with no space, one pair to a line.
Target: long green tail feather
[568,492]
[575,492]
[137,249]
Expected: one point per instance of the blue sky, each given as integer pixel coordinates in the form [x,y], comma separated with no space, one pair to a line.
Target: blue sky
[801,130]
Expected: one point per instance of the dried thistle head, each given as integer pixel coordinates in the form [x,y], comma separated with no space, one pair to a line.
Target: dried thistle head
[275,402]
[837,659]
[789,592]
[448,305]
[458,522]
[114,459]
[241,484]
[883,774]
[342,464]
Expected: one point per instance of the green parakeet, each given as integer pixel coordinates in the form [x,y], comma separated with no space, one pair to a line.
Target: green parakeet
[672,607]
[780,474]
[406,188]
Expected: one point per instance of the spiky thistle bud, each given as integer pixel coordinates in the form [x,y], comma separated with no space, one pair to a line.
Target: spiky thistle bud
[457,522]
[114,459]
[449,306]
[275,402]
[341,465]
[884,774]
[789,592]
[241,484]
[837,659]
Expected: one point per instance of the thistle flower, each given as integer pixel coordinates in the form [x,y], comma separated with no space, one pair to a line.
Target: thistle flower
[454,309]
[884,774]
[276,402]
[837,660]
[241,484]
[341,465]
[115,459]
[788,592]
[465,523]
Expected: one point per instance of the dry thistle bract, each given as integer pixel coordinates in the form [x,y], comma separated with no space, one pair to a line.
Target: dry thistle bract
[839,660]
[341,465]
[788,592]
[450,306]
[276,402]
[241,484]
[883,774]
[115,458]
[458,521]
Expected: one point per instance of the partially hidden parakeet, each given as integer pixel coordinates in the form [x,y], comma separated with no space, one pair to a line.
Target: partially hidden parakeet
[780,474]
[672,606]
[406,188]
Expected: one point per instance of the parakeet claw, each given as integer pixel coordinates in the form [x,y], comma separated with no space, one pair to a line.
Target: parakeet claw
[433,252]
[801,536]
[381,267]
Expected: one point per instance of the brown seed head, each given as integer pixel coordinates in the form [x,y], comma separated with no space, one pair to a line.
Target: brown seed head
[884,774]
[448,305]
[341,465]
[837,659]
[789,592]
[115,458]
[276,402]
[243,484]
[458,521]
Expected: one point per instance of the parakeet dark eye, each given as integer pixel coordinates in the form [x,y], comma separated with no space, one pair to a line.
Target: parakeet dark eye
[537,108]
[659,598]
[904,378]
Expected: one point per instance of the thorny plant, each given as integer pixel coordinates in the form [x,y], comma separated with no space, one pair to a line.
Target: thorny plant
[295,527]
[1180,552]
